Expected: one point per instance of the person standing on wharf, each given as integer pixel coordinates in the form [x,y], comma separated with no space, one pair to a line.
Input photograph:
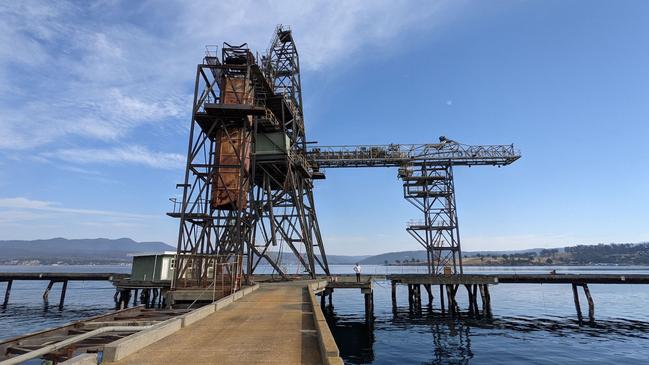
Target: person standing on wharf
[357,270]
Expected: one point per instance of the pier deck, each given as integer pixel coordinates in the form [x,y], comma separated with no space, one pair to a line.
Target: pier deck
[469,279]
[477,287]
[53,278]
[62,276]
[273,325]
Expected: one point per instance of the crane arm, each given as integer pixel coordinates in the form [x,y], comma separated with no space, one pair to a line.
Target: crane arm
[447,152]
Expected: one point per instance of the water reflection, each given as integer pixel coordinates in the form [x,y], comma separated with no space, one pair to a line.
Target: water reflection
[450,338]
[451,335]
[354,336]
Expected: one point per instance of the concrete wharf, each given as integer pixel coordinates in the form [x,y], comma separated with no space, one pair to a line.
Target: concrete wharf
[248,332]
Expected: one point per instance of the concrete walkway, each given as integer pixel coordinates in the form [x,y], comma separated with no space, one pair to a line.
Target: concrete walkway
[273,325]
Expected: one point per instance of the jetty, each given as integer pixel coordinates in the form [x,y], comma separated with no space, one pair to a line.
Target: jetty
[477,288]
[53,277]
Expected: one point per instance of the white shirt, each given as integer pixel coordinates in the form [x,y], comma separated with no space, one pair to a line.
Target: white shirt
[357,269]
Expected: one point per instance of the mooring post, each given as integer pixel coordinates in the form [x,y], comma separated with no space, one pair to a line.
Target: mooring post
[394,294]
[7,293]
[430,294]
[369,307]
[488,297]
[449,297]
[124,298]
[147,296]
[368,311]
[441,298]
[323,299]
[475,299]
[591,303]
[456,307]
[575,296]
[155,297]
[117,299]
[470,298]
[418,296]
[64,289]
[135,298]
[331,293]
[470,293]
[484,299]
[46,294]
[414,296]
[409,296]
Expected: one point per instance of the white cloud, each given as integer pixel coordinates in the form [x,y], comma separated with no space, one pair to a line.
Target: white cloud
[72,76]
[326,33]
[14,216]
[26,204]
[85,70]
[138,155]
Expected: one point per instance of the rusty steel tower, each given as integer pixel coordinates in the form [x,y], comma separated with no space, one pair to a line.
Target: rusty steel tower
[247,196]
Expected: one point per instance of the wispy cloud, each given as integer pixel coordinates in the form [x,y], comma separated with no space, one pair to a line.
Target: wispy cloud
[69,74]
[327,33]
[138,155]
[100,71]
[26,204]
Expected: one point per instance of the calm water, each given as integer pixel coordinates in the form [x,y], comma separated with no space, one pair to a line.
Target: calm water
[27,313]
[531,323]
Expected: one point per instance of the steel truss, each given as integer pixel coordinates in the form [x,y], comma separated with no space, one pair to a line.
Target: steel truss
[430,188]
[239,205]
[427,174]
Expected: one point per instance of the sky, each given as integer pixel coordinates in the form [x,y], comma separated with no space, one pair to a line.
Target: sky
[95,107]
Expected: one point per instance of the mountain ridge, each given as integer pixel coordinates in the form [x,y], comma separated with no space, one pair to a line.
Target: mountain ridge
[61,250]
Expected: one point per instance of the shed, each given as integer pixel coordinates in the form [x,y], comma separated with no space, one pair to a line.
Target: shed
[153,266]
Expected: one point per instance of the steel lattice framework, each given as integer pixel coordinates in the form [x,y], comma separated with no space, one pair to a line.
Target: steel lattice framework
[247,183]
[427,174]
[248,189]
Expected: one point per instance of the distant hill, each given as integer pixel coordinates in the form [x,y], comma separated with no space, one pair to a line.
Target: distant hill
[393,257]
[346,260]
[404,256]
[600,254]
[75,251]
[105,251]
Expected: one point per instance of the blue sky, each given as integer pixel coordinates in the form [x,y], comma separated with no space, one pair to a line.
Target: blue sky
[95,102]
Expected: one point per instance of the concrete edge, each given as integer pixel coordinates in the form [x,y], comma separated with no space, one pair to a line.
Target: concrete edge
[202,312]
[123,347]
[197,314]
[83,359]
[328,347]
